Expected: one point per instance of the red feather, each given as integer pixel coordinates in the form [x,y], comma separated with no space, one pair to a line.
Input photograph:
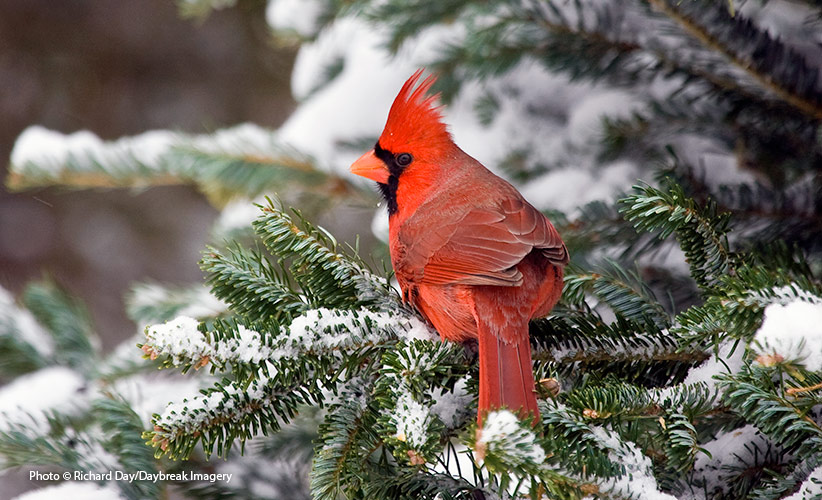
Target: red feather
[476,259]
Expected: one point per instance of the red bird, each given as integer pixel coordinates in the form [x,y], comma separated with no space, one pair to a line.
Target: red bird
[475,258]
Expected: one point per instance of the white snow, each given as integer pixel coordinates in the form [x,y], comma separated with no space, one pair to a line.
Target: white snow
[414,329]
[180,338]
[782,295]
[198,300]
[327,329]
[298,15]
[379,224]
[412,420]
[316,330]
[811,487]
[571,187]
[148,394]
[39,151]
[504,435]
[236,215]
[792,331]
[739,446]
[71,490]
[190,414]
[722,169]
[728,360]
[46,147]
[638,480]
[352,106]
[50,150]
[452,406]
[19,322]
[585,121]
[457,460]
[55,388]
[244,139]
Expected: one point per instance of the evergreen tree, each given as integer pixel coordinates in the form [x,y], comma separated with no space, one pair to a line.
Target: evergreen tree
[684,360]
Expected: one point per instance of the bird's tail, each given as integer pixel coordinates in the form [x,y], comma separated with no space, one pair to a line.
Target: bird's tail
[506,374]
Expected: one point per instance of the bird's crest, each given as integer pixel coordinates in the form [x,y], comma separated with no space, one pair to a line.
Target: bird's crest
[414,118]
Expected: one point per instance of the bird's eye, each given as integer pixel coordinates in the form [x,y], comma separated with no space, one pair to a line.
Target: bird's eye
[404,159]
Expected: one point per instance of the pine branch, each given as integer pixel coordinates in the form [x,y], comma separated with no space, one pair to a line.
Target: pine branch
[560,38]
[586,340]
[68,322]
[253,286]
[122,428]
[243,160]
[598,222]
[681,438]
[636,479]
[752,394]
[505,446]
[24,345]
[405,19]
[569,442]
[340,457]
[187,343]
[736,312]
[318,348]
[327,277]
[611,402]
[767,214]
[701,231]
[54,444]
[228,412]
[223,173]
[657,417]
[620,289]
[429,486]
[783,485]
[774,66]
[415,418]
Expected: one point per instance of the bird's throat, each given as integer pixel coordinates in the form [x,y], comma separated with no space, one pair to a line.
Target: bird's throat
[389,193]
[389,189]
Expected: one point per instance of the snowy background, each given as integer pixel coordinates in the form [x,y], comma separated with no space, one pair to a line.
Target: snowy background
[98,243]
[117,69]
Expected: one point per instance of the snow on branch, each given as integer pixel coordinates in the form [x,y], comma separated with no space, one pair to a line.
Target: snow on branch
[574,339]
[316,332]
[504,437]
[638,481]
[24,343]
[227,160]
[232,409]
[223,413]
[414,386]
[810,488]
[791,332]
[183,341]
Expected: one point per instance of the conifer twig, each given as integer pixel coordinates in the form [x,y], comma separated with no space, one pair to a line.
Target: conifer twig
[807,106]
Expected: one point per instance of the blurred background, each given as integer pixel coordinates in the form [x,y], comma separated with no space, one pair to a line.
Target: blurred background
[716,103]
[118,69]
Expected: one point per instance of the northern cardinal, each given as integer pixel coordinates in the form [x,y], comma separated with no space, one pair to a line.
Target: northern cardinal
[474,258]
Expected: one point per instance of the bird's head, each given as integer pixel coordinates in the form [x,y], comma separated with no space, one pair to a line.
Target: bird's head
[414,138]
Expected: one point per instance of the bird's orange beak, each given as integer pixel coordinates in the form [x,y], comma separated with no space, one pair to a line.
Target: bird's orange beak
[370,167]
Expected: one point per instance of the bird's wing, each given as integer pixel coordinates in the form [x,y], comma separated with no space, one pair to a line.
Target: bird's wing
[481,247]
